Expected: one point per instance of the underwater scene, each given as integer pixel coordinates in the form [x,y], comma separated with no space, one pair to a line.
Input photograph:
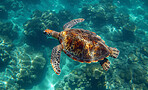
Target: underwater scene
[28,60]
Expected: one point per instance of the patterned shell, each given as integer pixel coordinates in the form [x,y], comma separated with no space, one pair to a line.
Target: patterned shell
[83,45]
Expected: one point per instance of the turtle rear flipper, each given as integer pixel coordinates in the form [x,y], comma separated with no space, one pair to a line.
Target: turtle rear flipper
[114,52]
[105,64]
[70,24]
[55,59]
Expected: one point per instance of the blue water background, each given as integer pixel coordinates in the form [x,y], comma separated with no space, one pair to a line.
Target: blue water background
[25,51]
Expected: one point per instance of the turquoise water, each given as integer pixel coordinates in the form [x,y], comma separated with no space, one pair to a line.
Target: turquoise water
[25,51]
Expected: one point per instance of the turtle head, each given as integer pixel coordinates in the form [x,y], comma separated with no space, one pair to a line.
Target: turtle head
[51,33]
[48,32]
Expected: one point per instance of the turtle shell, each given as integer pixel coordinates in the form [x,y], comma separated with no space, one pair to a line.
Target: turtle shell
[83,45]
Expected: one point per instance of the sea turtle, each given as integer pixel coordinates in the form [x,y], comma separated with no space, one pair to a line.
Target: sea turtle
[81,45]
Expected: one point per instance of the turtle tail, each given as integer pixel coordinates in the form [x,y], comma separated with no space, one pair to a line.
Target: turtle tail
[114,52]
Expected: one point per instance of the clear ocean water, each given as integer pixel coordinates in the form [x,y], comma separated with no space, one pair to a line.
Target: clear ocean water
[25,52]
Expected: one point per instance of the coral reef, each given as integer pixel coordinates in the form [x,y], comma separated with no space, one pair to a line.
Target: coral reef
[9,30]
[128,32]
[120,20]
[99,13]
[64,16]
[30,66]
[33,29]
[7,35]
[133,73]
[130,27]
[70,5]
[6,80]
[144,55]
[21,67]
[18,68]
[7,5]
[27,67]
[5,48]
[86,77]
[132,76]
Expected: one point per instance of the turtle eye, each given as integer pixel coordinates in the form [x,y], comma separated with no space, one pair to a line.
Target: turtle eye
[44,32]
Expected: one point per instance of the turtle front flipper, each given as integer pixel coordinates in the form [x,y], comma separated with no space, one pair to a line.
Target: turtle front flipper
[114,52]
[55,59]
[70,24]
[105,64]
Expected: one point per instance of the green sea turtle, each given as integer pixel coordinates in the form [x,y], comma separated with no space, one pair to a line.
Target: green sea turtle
[81,45]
